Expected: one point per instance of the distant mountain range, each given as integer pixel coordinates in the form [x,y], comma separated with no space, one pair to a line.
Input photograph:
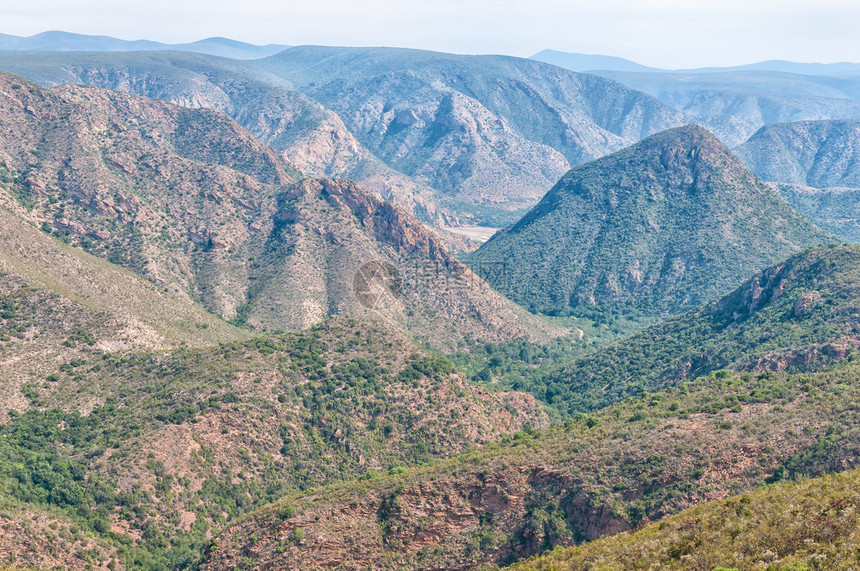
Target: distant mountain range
[735,104]
[589,62]
[815,166]
[453,139]
[56,41]
[735,101]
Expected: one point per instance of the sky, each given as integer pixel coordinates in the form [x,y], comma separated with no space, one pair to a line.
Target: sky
[661,33]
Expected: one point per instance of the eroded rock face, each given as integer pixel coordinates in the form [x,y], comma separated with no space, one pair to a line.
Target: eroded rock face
[432,525]
[390,225]
[758,291]
[805,302]
[336,221]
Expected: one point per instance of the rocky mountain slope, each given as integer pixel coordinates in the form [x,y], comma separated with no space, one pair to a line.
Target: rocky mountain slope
[792,526]
[156,451]
[819,154]
[660,227]
[35,538]
[736,104]
[57,302]
[147,185]
[488,131]
[310,137]
[334,249]
[599,475]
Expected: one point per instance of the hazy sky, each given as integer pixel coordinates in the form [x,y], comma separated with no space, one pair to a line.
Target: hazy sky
[666,33]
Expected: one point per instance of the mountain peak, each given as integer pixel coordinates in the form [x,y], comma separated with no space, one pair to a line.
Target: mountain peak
[691,142]
[684,147]
[693,134]
[681,162]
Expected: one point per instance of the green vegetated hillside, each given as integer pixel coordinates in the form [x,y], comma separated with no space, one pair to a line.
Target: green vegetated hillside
[307,135]
[153,452]
[611,469]
[599,474]
[190,200]
[488,132]
[658,228]
[808,525]
[799,315]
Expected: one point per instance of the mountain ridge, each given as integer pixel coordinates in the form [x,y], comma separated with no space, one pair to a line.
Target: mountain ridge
[65,41]
[597,62]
